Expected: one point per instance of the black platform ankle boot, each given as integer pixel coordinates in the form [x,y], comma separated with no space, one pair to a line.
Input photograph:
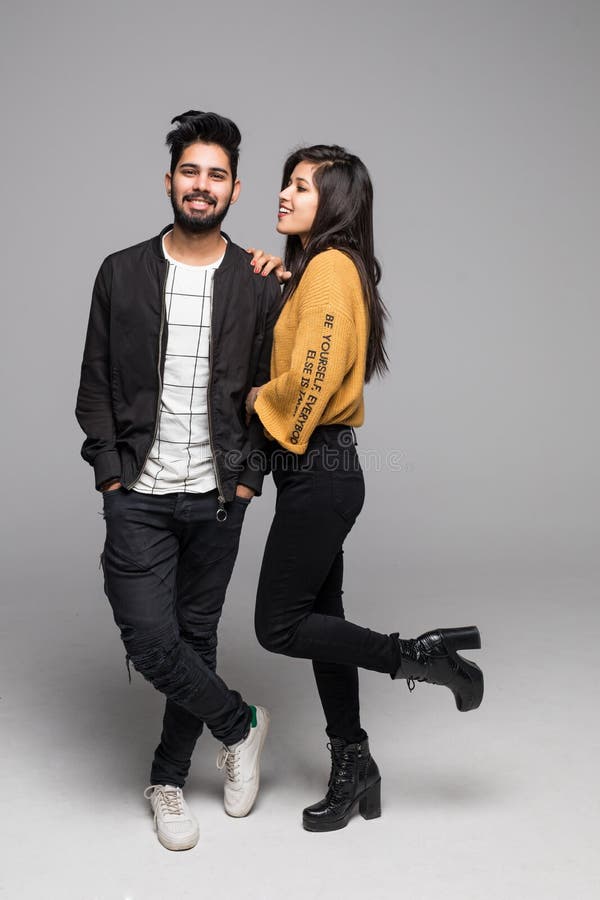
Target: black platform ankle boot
[354,781]
[433,658]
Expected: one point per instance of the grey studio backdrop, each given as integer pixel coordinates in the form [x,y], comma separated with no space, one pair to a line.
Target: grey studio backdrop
[479,123]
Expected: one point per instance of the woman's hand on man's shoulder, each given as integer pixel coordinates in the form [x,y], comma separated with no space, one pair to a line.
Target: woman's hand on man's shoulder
[265,263]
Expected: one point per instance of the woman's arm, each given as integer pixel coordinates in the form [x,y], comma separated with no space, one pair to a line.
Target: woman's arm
[321,351]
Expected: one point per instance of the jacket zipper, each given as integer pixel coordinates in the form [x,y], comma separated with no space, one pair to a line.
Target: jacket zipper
[221,514]
[160,334]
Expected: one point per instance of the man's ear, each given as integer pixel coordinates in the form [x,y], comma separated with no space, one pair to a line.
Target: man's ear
[236,190]
[168,183]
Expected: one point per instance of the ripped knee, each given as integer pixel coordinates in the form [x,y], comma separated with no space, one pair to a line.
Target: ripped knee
[205,645]
[159,656]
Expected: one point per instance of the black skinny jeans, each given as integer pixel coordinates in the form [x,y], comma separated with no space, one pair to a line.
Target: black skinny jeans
[299,609]
[167,563]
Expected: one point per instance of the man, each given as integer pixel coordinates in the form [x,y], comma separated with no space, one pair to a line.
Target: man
[180,328]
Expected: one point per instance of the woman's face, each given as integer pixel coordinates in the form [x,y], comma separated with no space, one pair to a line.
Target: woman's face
[298,202]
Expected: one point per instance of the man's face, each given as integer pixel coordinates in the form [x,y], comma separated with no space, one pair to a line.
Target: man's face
[201,187]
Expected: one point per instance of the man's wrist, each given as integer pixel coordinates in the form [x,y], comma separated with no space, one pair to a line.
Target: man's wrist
[106,485]
[242,490]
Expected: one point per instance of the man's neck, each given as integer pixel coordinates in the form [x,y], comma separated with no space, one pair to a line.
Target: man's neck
[194,249]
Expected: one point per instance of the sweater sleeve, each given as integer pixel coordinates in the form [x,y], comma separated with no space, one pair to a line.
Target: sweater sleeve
[324,348]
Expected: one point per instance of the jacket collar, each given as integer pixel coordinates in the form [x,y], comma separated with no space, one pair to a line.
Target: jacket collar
[157,249]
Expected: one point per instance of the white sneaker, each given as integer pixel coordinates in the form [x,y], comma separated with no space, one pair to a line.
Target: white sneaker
[176,828]
[241,762]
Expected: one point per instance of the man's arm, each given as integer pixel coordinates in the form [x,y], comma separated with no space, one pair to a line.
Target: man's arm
[256,467]
[94,401]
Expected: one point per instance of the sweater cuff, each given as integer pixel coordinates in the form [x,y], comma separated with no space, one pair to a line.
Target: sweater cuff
[271,421]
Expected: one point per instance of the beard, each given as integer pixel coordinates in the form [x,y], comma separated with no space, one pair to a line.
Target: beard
[200,222]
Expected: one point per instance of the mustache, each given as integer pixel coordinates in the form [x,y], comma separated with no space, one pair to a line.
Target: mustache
[200,195]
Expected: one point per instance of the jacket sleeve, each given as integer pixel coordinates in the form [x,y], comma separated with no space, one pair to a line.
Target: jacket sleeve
[94,400]
[257,463]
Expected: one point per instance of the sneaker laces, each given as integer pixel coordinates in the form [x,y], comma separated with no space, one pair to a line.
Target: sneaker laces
[229,759]
[170,799]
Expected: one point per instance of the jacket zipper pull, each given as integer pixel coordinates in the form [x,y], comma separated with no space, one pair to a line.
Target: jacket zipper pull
[221,511]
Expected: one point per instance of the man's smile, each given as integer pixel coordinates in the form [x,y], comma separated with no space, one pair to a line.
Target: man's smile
[199,202]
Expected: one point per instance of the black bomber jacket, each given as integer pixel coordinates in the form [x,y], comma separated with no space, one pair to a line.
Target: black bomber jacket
[123,362]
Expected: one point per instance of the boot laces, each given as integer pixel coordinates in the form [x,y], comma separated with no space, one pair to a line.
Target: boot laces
[412,650]
[426,650]
[341,774]
[229,759]
[169,799]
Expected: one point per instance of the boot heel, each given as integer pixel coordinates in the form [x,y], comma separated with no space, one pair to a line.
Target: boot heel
[369,804]
[467,638]
[468,692]
[467,685]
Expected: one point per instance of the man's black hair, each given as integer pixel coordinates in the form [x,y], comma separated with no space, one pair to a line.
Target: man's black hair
[208,127]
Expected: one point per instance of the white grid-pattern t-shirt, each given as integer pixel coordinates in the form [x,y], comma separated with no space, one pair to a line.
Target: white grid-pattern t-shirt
[180,458]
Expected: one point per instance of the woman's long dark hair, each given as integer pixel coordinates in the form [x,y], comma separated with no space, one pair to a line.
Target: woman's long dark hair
[343,221]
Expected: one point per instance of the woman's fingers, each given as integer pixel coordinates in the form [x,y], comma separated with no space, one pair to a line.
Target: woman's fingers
[265,263]
[258,258]
[252,251]
[271,264]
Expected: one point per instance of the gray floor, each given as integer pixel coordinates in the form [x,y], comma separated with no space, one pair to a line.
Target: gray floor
[501,803]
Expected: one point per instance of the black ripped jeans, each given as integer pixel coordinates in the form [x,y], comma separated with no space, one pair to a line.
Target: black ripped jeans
[299,609]
[167,563]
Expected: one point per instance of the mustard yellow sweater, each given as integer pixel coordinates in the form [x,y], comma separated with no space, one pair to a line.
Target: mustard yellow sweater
[319,354]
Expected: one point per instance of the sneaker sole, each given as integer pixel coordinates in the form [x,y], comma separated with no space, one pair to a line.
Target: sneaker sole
[171,844]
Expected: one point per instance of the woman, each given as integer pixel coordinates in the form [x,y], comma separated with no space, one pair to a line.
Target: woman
[328,341]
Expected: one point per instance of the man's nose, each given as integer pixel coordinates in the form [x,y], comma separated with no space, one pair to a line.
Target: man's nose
[200,181]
